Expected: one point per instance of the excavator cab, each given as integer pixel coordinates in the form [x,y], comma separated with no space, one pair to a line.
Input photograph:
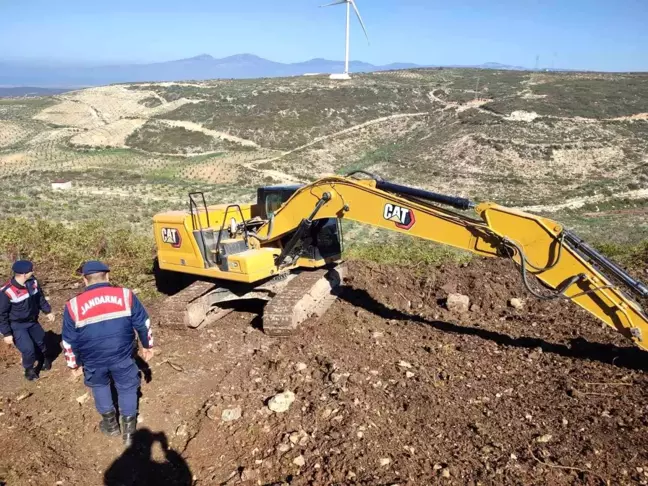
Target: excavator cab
[322,242]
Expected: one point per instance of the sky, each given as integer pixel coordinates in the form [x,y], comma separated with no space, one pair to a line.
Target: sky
[605,35]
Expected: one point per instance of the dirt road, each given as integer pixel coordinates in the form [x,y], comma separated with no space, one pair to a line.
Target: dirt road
[389,388]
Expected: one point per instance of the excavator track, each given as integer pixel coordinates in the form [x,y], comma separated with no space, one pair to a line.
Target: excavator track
[177,311]
[197,305]
[311,293]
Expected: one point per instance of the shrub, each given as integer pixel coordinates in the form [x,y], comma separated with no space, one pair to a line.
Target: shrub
[59,249]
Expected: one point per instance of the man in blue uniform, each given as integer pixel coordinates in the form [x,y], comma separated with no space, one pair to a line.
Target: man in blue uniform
[21,300]
[99,334]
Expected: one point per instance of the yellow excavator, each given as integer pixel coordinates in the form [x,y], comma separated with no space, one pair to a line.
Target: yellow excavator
[287,250]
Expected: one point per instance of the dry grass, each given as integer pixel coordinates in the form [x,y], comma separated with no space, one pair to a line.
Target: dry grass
[521,139]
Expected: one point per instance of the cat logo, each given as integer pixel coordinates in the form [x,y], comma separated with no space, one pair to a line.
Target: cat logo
[403,217]
[172,237]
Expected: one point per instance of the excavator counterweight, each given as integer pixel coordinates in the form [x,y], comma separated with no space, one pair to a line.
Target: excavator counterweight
[287,250]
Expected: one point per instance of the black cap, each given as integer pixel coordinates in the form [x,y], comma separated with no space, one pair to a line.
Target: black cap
[22,266]
[94,267]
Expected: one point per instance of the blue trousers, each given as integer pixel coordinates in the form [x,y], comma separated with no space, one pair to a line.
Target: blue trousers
[25,336]
[126,378]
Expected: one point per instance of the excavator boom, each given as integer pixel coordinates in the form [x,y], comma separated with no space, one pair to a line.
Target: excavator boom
[272,244]
[565,264]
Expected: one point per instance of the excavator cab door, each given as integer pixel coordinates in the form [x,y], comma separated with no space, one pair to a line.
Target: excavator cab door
[325,238]
[273,201]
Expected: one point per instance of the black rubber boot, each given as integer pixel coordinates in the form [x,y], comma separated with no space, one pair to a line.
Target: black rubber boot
[129,424]
[31,374]
[47,364]
[109,425]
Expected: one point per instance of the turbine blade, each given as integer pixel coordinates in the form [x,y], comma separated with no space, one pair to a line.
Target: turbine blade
[360,19]
[339,2]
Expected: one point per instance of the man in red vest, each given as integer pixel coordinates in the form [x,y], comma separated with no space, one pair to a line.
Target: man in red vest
[100,326]
[21,300]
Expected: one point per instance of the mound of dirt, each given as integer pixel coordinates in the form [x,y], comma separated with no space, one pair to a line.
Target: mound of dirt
[388,387]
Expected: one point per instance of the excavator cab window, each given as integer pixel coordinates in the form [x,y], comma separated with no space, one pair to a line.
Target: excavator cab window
[273,202]
[270,198]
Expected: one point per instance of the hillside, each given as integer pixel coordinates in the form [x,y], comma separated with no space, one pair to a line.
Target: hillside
[392,385]
[569,145]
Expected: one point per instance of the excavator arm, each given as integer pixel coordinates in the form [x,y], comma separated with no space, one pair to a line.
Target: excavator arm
[566,265]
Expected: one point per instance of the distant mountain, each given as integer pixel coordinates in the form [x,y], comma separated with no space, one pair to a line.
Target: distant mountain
[497,65]
[488,65]
[200,67]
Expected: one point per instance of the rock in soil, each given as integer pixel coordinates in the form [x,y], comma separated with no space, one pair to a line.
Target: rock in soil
[300,438]
[299,461]
[83,398]
[516,303]
[230,414]
[212,412]
[281,402]
[458,303]
[249,474]
[543,439]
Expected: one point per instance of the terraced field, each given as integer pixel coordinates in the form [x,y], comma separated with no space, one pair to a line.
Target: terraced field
[531,392]
[572,146]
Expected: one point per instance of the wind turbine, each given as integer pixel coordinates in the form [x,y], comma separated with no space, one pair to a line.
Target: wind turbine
[349,4]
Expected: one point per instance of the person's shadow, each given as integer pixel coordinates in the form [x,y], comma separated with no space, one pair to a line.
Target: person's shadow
[54,350]
[137,467]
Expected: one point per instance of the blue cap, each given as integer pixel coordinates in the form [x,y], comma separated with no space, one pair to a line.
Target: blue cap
[22,266]
[94,267]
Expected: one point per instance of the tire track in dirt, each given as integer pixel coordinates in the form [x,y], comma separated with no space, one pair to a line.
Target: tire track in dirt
[346,131]
[476,103]
[526,116]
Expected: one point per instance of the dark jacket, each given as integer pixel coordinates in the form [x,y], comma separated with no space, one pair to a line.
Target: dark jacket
[99,326]
[21,305]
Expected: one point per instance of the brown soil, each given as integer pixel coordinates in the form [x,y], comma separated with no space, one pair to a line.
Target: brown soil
[391,388]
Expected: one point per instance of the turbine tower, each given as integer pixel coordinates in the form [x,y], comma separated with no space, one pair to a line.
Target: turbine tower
[349,4]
